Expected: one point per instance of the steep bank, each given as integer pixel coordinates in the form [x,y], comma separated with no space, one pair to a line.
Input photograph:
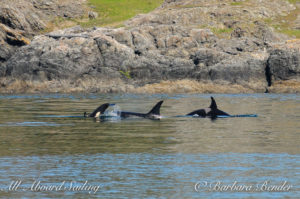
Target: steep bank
[183,46]
[21,20]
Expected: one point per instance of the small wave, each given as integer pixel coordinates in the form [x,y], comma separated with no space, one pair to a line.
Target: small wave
[219,116]
[245,115]
[59,116]
[33,124]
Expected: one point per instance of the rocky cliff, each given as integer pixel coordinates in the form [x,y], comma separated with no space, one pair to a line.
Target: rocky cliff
[182,46]
[21,20]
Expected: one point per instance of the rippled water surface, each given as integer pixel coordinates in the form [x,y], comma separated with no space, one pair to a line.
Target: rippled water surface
[45,142]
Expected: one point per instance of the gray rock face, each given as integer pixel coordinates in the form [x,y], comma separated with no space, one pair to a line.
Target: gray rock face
[48,58]
[18,19]
[157,46]
[175,53]
[284,64]
[10,40]
[31,16]
[21,20]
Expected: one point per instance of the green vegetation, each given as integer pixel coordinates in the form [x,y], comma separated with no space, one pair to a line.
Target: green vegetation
[114,12]
[245,2]
[110,13]
[188,6]
[59,23]
[236,3]
[284,24]
[291,32]
[126,74]
[294,1]
[220,31]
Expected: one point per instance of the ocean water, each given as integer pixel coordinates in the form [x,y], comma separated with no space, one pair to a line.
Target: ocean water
[48,150]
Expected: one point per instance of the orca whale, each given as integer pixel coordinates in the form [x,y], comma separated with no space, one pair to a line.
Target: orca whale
[212,111]
[98,111]
[153,114]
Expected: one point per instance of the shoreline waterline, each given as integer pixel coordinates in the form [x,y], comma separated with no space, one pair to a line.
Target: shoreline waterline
[93,85]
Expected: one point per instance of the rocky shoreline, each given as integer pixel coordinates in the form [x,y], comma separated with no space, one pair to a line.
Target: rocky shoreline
[183,46]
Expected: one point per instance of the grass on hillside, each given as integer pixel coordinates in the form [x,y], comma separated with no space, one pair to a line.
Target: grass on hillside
[114,12]
[294,1]
[283,24]
[236,3]
[110,13]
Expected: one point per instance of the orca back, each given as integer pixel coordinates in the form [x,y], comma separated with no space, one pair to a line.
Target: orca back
[199,112]
[155,111]
[212,111]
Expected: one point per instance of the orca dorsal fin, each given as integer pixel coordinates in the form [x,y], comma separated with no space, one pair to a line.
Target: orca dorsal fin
[98,111]
[156,109]
[213,104]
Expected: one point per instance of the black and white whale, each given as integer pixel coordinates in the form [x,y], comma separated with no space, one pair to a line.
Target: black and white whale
[153,114]
[212,111]
[98,111]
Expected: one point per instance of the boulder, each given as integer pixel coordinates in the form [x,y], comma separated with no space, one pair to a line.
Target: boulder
[284,64]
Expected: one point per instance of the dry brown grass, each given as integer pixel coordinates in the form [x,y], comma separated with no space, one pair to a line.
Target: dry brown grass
[93,85]
[193,86]
[89,85]
[287,86]
[294,43]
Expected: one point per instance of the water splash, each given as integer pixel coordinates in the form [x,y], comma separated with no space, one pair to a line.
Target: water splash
[112,114]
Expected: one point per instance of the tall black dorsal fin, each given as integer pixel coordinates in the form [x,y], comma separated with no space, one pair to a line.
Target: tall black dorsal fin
[156,109]
[100,109]
[213,104]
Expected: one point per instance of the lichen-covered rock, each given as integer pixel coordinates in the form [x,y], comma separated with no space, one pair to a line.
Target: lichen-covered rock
[21,20]
[284,64]
[47,58]
[214,42]
[75,52]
